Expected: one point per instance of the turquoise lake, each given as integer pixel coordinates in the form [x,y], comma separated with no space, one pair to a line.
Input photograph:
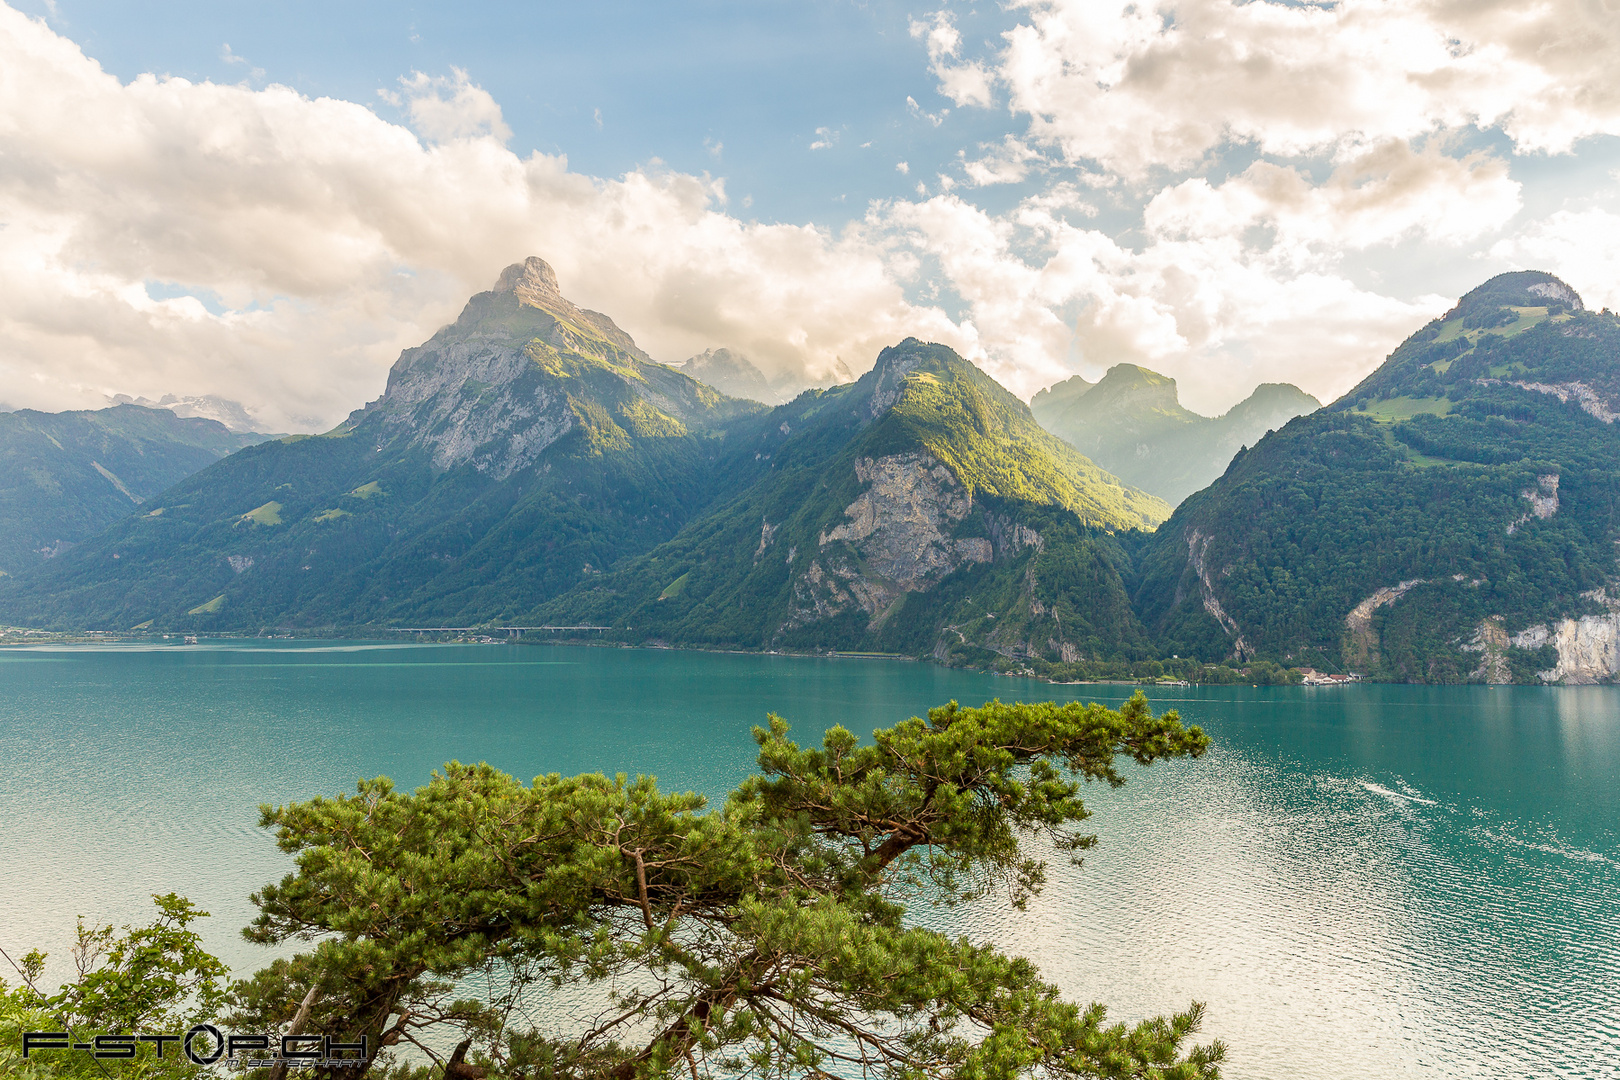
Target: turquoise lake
[1373,881]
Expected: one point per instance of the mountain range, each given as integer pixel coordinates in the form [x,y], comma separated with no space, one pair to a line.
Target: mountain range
[1132,423]
[525,446]
[66,476]
[530,463]
[919,509]
[1453,517]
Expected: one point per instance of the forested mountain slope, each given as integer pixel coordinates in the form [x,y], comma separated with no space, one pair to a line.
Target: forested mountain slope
[1453,517]
[524,447]
[920,509]
[66,476]
[1132,423]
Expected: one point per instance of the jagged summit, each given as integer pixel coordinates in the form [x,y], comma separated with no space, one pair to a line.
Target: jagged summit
[1133,387]
[521,368]
[527,303]
[533,280]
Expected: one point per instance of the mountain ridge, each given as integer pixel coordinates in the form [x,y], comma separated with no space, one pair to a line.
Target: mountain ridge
[65,476]
[524,445]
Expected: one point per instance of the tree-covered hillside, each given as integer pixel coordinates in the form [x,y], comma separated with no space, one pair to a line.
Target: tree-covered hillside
[1132,423]
[1453,517]
[918,510]
[66,476]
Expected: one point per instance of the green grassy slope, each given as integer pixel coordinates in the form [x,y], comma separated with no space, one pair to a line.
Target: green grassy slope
[66,476]
[1430,471]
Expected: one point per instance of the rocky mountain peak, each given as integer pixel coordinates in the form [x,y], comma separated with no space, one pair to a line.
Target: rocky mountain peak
[893,365]
[533,280]
[1127,386]
[1059,396]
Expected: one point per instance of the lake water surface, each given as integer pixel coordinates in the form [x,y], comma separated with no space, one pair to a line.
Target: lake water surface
[1375,881]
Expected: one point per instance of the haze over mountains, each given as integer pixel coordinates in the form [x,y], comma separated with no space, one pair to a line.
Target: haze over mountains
[1454,517]
[1132,423]
[733,375]
[208,406]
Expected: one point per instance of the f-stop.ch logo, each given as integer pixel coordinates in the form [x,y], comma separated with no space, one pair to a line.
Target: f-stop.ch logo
[205,1044]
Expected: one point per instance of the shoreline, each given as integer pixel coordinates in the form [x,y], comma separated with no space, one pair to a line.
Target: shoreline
[22,637]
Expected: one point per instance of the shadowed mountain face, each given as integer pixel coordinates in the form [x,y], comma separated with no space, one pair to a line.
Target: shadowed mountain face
[1452,518]
[1132,424]
[732,374]
[524,462]
[66,476]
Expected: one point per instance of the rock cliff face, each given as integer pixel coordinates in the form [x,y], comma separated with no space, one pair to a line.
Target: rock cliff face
[1588,650]
[1589,399]
[1588,647]
[1361,645]
[896,541]
[470,402]
[1198,558]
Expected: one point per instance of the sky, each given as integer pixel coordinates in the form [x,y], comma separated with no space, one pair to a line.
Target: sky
[269,202]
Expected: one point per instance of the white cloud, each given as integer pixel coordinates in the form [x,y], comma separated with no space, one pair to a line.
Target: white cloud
[825,138]
[964,83]
[1007,162]
[1386,194]
[1353,115]
[1218,317]
[230,57]
[918,111]
[446,108]
[1583,244]
[902,167]
[336,239]
[1134,85]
